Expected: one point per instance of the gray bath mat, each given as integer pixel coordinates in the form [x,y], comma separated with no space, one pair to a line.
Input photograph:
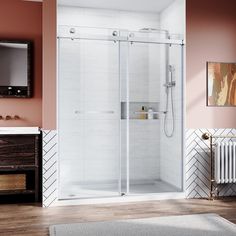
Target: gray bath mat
[187,225]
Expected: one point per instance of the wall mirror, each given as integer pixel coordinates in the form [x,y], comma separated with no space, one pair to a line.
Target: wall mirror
[16,72]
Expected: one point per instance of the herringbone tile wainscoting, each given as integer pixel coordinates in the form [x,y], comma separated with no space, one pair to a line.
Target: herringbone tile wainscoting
[50,168]
[198,164]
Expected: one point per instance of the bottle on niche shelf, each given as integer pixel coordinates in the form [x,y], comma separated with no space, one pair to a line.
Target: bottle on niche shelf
[150,114]
[143,116]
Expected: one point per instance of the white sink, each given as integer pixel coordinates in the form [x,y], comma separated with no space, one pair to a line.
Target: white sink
[19,130]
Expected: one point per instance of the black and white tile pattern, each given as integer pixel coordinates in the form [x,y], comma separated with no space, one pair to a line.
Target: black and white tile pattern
[198,164]
[50,167]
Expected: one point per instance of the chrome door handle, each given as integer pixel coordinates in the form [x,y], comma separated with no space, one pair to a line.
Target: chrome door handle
[100,112]
[94,112]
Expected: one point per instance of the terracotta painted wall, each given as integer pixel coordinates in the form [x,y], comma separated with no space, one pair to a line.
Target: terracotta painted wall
[211,36]
[23,20]
[49,64]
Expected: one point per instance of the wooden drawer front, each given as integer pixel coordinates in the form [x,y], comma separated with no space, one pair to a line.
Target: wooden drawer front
[13,182]
[17,150]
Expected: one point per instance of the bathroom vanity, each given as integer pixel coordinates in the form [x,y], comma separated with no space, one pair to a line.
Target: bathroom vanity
[20,161]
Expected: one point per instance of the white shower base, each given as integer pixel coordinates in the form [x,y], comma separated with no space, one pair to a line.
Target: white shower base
[158,186]
[120,199]
[75,191]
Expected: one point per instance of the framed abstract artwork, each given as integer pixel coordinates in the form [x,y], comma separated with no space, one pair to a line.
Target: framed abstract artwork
[221,84]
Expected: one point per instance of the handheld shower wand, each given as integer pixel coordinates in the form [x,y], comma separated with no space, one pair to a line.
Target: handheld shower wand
[170,83]
[169,95]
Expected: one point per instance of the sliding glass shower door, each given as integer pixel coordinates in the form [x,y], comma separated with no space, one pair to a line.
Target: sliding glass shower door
[88,118]
[151,114]
[152,103]
[120,113]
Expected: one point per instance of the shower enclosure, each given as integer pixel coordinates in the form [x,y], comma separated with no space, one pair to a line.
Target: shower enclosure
[120,113]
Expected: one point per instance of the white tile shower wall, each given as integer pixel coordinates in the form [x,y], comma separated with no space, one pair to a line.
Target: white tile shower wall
[144,68]
[144,84]
[144,72]
[106,18]
[144,150]
[173,18]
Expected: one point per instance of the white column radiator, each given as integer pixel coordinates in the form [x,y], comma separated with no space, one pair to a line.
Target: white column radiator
[225,162]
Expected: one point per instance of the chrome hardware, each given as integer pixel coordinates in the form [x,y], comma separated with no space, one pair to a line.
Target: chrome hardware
[100,112]
[115,33]
[72,30]
[171,68]
[94,112]
[170,84]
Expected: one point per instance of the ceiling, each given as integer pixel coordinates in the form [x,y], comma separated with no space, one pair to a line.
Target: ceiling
[123,5]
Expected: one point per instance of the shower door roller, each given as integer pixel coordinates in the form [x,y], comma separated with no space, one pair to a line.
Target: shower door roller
[115,33]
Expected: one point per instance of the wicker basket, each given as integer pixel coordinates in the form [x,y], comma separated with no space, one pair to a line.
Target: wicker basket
[13,182]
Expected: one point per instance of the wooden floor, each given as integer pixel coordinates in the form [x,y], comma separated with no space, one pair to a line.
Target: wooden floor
[34,221]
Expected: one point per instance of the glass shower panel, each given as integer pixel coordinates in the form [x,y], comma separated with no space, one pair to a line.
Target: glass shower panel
[89,118]
[151,162]
[145,70]
[171,148]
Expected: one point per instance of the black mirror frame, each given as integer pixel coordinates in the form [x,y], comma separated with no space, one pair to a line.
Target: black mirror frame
[28,90]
